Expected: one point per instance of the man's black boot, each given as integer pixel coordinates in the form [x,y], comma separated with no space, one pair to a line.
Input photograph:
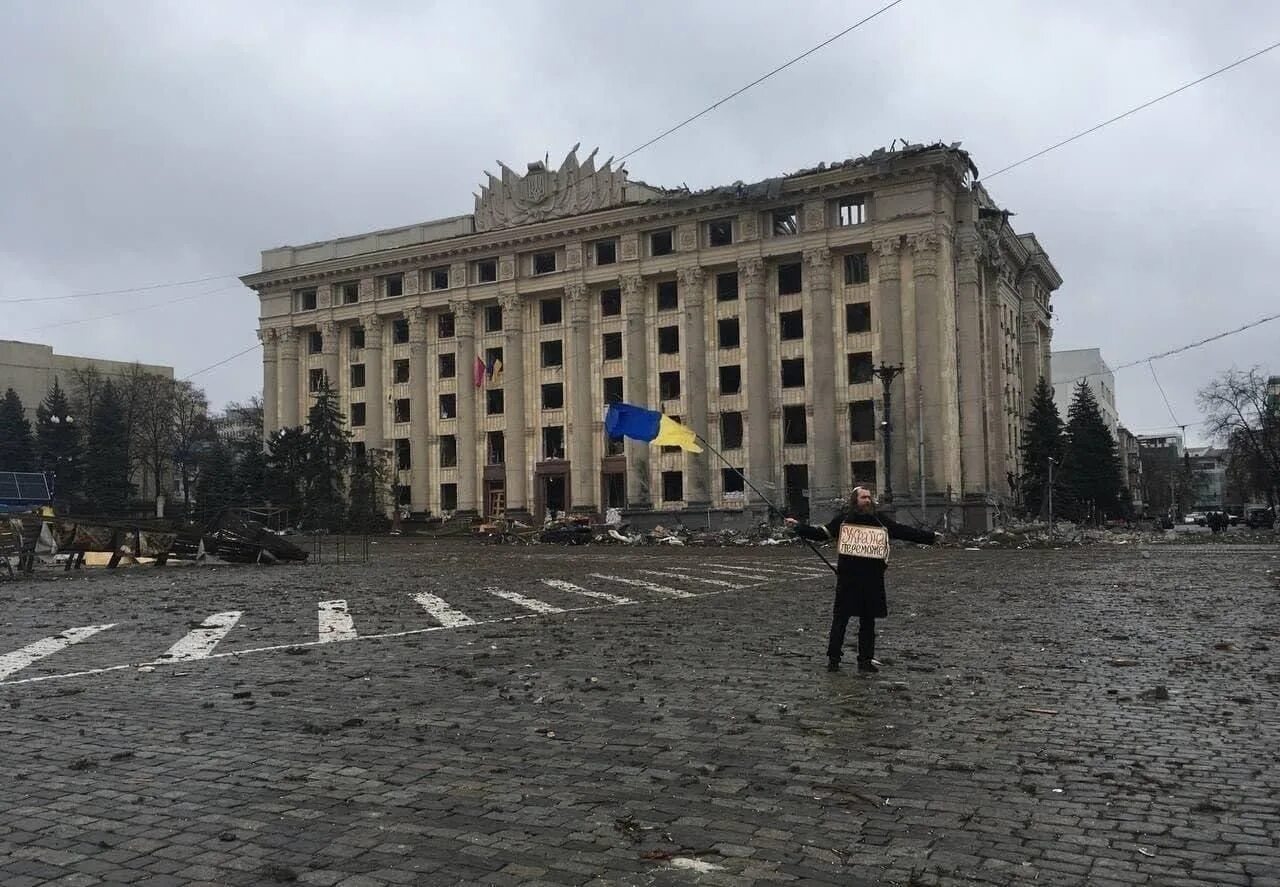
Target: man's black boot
[867,665]
[833,665]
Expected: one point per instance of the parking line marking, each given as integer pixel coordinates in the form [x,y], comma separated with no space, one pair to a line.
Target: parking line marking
[640,583]
[718,572]
[335,621]
[670,575]
[199,642]
[441,611]
[562,585]
[20,659]
[529,603]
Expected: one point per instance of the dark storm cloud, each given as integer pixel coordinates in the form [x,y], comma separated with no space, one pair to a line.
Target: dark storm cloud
[152,142]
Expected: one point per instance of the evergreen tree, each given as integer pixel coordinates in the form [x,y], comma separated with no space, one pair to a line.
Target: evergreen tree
[328,450]
[106,464]
[286,464]
[58,450]
[17,448]
[1042,441]
[368,487]
[1091,464]
[215,482]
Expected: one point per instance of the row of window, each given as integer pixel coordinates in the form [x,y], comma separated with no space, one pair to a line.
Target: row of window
[856,271]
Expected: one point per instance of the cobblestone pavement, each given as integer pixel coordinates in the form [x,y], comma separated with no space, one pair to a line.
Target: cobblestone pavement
[459,713]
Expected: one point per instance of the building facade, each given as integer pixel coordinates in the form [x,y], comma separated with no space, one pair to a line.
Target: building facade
[480,352]
[1085,365]
[1131,467]
[1209,478]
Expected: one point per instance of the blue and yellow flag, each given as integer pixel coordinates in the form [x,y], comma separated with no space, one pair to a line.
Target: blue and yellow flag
[651,426]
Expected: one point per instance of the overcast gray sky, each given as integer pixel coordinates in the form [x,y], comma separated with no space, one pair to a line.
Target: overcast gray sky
[148,142]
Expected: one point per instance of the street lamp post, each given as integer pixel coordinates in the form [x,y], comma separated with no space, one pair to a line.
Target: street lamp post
[1051,464]
[885,373]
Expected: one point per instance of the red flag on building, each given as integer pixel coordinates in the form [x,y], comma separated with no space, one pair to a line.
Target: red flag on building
[479,371]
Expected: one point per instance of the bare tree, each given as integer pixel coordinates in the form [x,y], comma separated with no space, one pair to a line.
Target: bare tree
[192,431]
[153,428]
[1244,415]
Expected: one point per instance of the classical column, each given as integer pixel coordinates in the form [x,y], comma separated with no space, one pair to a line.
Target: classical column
[637,388]
[826,445]
[270,383]
[517,464]
[973,443]
[375,398]
[583,467]
[697,492]
[464,321]
[419,410]
[289,378]
[329,354]
[760,370]
[931,352]
[889,307]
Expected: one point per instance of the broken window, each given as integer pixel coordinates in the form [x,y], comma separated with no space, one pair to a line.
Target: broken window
[307,299]
[791,325]
[672,449]
[552,353]
[448,366]
[612,346]
[613,389]
[402,409]
[864,473]
[550,311]
[615,486]
[720,232]
[668,340]
[795,426]
[672,486]
[727,286]
[493,319]
[606,252]
[553,396]
[851,211]
[544,263]
[553,442]
[668,295]
[610,302]
[731,430]
[357,375]
[494,403]
[727,332]
[731,480]
[661,243]
[444,326]
[393,285]
[856,269]
[785,222]
[793,373]
[614,446]
[400,371]
[857,317]
[730,379]
[315,342]
[403,460]
[485,270]
[669,386]
[493,365]
[350,293]
[357,415]
[315,380]
[399,331]
[862,421]
[495,448]
[789,279]
[448,497]
[860,367]
[448,451]
[439,278]
[356,338]
[448,406]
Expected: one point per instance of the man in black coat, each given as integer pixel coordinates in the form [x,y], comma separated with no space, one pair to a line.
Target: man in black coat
[862,540]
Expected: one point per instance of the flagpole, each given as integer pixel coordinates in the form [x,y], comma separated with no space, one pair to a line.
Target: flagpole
[702,440]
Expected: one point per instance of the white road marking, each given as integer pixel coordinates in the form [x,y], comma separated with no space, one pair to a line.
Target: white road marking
[440,610]
[615,599]
[199,642]
[20,659]
[640,583]
[734,573]
[335,622]
[672,575]
[529,603]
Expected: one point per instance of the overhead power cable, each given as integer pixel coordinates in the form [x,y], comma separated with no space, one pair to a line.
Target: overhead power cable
[225,360]
[759,80]
[1164,396]
[1131,111]
[136,289]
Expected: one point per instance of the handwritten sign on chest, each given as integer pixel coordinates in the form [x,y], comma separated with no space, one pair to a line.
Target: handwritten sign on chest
[857,540]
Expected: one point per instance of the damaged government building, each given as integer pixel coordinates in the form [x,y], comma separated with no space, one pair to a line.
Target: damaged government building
[481,351]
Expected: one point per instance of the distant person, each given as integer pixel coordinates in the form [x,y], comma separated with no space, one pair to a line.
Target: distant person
[862,541]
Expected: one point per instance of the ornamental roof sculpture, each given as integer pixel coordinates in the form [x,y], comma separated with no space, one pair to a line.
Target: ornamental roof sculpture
[542,193]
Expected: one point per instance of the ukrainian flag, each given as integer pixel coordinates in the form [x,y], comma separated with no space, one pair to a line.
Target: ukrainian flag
[651,426]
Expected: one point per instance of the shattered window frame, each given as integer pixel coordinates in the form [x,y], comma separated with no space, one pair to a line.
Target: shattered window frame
[400,371]
[448,451]
[551,353]
[493,318]
[669,385]
[731,480]
[785,222]
[485,271]
[550,311]
[606,252]
[673,486]
[495,403]
[315,342]
[611,344]
[730,379]
[355,338]
[611,302]
[793,372]
[728,333]
[350,292]
[400,331]
[439,278]
[862,421]
[543,263]
[445,327]
[727,286]
[861,367]
[669,339]
[791,325]
[720,232]
[495,448]
[308,299]
[857,317]
[403,453]
[449,497]
[731,430]
[447,365]
[662,243]
[552,442]
[402,411]
[857,269]
[315,378]
[393,286]
[357,375]
[863,472]
[359,414]
[667,294]
[447,403]
[795,426]
[552,396]
[790,279]
[612,389]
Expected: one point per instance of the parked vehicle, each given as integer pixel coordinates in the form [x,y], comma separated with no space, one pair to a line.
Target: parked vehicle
[1260,518]
[1197,518]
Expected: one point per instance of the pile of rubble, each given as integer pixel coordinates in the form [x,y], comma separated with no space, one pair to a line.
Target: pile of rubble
[763,534]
